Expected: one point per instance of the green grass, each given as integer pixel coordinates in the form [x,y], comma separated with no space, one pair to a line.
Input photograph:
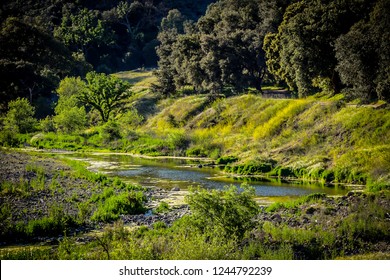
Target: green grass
[139,79]
[67,199]
[111,206]
[193,237]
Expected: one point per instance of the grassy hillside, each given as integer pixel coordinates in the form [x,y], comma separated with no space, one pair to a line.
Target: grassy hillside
[312,139]
[307,138]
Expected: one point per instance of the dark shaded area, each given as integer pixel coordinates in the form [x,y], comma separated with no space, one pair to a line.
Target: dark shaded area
[41,42]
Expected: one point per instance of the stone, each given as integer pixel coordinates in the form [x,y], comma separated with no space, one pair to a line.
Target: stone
[276,218]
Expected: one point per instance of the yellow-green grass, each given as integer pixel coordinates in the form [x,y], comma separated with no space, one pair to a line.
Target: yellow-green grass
[299,133]
[139,79]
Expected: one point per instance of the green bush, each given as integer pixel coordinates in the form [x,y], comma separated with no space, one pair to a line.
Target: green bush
[20,116]
[178,141]
[230,210]
[71,120]
[226,160]
[250,168]
[8,138]
[110,131]
[114,205]
[196,152]
[163,207]
[47,124]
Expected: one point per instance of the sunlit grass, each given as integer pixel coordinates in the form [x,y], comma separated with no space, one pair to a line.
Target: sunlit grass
[139,79]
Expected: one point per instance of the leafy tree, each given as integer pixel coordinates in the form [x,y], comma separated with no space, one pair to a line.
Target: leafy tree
[186,55]
[104,93]
[82,31]
[70,112]
[231,38]
[171,27]
[363,55]
[136,16]
[20,116]
[302,51]
[229,211]
[224,48]
[69,89]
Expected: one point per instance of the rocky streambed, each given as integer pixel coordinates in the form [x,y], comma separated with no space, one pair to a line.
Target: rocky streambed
[37,187]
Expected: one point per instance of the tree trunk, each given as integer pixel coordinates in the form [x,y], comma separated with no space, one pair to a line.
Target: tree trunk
[336,83]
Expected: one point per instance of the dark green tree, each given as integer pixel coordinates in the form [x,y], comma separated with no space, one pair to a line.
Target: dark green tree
[83,31]
[187,53]
[363,55]
[232,36]
[302,51]
[20,116]
[104,93]
[31,61]
[223,49]
[70,112]
[171,27]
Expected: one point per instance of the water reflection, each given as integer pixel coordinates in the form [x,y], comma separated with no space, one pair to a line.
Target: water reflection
[169,173]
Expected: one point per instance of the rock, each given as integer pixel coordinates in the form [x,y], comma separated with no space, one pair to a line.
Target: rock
[310,210]
[305,220]
[175,189]
[276,218]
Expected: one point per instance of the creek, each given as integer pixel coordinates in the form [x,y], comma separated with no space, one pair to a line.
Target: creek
[180,173]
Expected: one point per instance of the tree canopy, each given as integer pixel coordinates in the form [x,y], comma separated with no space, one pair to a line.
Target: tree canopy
[41,42]
[31,61]
[363,55]
[311,45]
[224,48]
[104,93]
[317,42]
[70,111]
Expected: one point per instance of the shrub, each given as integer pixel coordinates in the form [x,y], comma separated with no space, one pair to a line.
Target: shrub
[47,124]
[179,141]
[196,152]
[163,207]
[71,120]
[230,210]
[226,160]
[20,116]
[110,131]
[8,138]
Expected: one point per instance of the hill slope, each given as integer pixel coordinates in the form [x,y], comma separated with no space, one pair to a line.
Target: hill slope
[312,139]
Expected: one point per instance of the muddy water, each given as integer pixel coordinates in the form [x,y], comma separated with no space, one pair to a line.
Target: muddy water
[168,173]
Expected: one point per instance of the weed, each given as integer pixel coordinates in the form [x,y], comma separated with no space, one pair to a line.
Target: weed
[226,160]
[112,206]
[163,207]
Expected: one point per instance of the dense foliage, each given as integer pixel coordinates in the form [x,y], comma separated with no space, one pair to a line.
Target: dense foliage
[223,49]
[214,58]
[303,51]
[31,61]
[312,46]
[60,38]
[104,93]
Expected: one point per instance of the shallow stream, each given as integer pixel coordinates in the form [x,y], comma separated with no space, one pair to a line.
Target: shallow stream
[179,173]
